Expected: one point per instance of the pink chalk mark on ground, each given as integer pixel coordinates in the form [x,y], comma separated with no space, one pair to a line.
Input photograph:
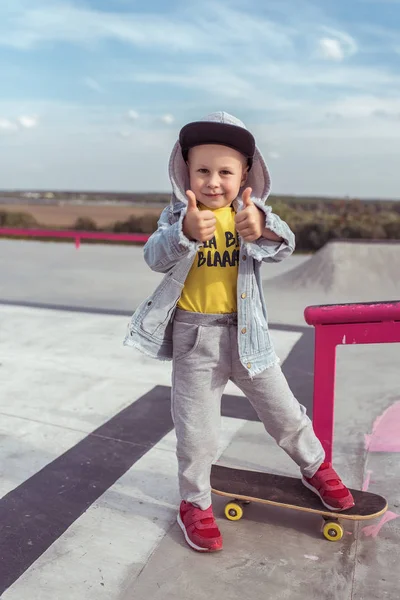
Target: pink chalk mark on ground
[373,530]
[385,432]
[384,438]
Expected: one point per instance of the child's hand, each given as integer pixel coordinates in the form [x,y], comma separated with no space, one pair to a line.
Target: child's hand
[250,221]
[198,224]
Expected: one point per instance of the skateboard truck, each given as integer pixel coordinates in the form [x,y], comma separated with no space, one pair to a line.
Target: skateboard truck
[331,528]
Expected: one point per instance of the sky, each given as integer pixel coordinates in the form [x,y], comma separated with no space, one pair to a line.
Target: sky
[93,93]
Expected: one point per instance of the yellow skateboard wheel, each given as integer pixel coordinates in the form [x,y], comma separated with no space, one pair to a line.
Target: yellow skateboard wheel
[233,511]
[333,531]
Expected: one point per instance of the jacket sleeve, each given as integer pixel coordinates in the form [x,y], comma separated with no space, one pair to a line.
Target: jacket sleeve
[168,244]
[268,250]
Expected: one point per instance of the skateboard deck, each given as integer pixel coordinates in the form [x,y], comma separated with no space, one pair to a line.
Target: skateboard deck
[288,492]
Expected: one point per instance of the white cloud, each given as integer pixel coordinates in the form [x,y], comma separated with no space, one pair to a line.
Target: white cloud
[133,115]
[308,77]
[337,45]
[264,69]
[23,121]
[268,54]
[340,159]
[167,119]
[211,79]
[7,125]
[348,42]
[28,26]
[27,122]
[331,49]
[356,156]
[363,106]
[285,90]
[225,26]
[93,85]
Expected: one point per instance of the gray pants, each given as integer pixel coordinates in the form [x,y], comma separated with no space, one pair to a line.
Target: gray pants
[205,358]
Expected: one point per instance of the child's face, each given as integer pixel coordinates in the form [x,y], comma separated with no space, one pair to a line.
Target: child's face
[216,174]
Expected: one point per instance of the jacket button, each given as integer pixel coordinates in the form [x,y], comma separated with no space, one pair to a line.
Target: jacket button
[249,365]
[243,295]
[244,330]
[244,257]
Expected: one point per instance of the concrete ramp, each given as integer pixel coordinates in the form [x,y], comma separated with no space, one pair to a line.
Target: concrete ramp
[364,269]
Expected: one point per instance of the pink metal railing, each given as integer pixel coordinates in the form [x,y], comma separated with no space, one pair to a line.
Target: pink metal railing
[75,234]
[341,324]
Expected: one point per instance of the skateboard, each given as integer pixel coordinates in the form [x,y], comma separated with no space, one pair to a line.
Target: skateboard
[288,492]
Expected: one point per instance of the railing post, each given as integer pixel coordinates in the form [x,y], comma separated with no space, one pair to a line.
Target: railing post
[324,388]
[341,324]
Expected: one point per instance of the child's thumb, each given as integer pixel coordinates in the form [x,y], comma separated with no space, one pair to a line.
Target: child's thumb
[246,197]
[192,202]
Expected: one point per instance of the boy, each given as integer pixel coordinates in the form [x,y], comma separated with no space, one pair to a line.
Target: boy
[209,316]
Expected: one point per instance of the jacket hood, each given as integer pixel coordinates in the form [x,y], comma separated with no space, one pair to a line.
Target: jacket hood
[258,178]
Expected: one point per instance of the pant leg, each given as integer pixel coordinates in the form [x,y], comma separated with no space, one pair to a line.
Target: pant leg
[283,417]
[200,373]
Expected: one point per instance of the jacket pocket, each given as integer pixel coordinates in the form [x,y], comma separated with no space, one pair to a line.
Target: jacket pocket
[161,306]
[185,339]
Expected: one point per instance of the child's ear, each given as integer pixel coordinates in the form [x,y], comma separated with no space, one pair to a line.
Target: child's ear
[245,176]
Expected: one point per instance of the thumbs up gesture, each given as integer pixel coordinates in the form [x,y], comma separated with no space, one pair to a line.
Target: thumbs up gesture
[198,224]
[250,221]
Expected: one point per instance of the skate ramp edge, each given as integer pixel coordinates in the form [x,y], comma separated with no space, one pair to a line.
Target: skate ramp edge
[365,268]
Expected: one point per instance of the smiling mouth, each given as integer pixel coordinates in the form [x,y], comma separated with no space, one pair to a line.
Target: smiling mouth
[213,195]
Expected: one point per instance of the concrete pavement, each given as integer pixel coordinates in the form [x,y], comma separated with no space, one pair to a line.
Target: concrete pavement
[88,470]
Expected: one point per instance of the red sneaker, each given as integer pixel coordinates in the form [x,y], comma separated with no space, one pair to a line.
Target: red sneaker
[199,528]
[327,484]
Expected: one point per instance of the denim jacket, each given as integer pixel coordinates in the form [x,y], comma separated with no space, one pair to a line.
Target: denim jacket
[168,251]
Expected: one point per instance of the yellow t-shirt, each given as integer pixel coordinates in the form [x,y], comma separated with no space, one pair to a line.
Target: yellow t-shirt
[211,284]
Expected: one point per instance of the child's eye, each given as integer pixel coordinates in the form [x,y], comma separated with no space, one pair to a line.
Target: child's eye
[203,170]
[225,172]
